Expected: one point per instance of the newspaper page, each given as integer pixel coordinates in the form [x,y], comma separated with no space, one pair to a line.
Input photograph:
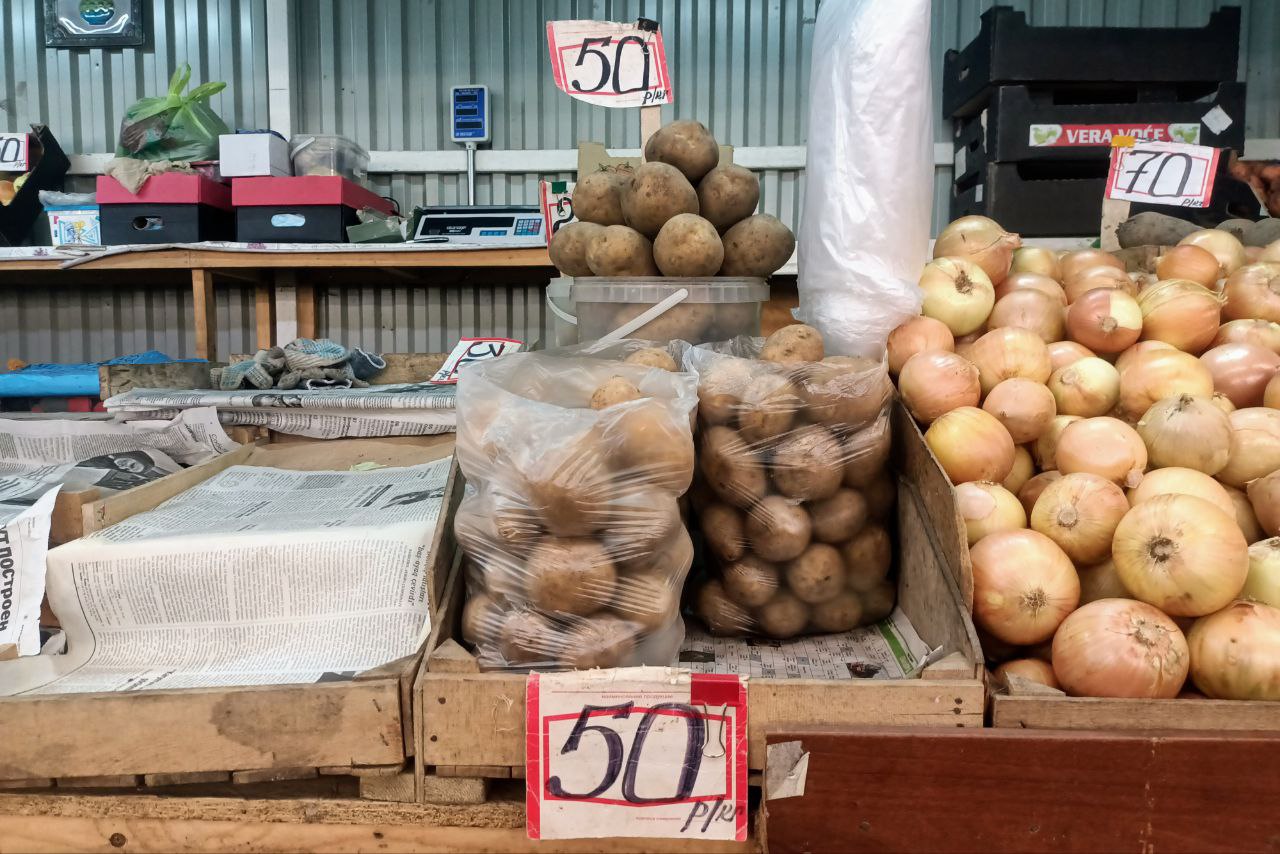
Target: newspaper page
[24,539]
[194,436]
[330,424]
[256,576]
[889,649]
[392,398]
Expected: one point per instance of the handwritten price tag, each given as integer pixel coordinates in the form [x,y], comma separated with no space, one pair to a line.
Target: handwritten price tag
[13,152]
[556,198]
[609,64]
[469,350]
[638,751]
[1163,173]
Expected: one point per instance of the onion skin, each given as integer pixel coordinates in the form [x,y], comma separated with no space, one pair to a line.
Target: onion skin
[1245,519]
[1103,446]
[1035,487]
[1002,354]
[1073,262]
[935,382]
[1181,313]
[1182,481]
[1063,353]
[1241,371]
[1188,262]
[1235,653]
[1271,395]
[1157,374]
[1253,293]
[1263,583]
[971,445]
[1031,669]
[988,508]
[1024,407]
[1128,356]
[1221,244]
[916,336]
[1088,387]
[1100,581]
[1045,450]
[1187,431]
[980,240]
[1264,333]
[1031,310]
[1120,648]
[1032,282]
[1100,277]
[1023,468]
[1023,586]
[1105,321]
[1035,259]
[1255,446]
[957,293]
[1271,252]
[1181,554]
[1080,513]
[1264,497]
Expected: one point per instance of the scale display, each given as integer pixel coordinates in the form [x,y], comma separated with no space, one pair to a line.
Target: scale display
[470,116]
[494,225]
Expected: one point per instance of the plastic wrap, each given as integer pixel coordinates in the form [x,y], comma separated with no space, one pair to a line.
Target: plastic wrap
[576,549]
[173,126]
[864,239]
[794,495]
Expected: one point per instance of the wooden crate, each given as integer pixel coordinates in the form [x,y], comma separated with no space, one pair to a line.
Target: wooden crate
[245,734]
[471,724]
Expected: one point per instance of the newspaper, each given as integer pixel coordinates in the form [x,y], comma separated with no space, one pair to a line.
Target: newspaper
[24,538]
[194,436]
[889,649]
[256,576]
[331,424]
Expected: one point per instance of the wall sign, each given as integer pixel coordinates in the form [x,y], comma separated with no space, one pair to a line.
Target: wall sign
[1162,173]
[610,64]
[93,23]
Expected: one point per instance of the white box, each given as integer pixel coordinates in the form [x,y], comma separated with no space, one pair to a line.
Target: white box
[247,155]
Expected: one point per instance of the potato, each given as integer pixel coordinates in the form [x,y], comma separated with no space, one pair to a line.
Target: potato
[769,406]
[817,574]
[721,388]
[656,194]
[732,469]
[514,528]
[568,490]
[867,558]
[727,195]
[613,391]
[482,619]
[839,517]
[840,613]
[647,445]
[778,529]
[685,321]
[688,245]
[568,249]
[570,575]
[1264,232]
[730,319]
[866,453]
[686,145]
[751,581]
[722,528]
[527,637]
[722,615]
[597,198]
[1235,227]
[644,531]
[757,246]
[603,641]
[877,603]
[621,251]
[806,464]
[846,390]
[649,601]
[652,357]
[1151,228]
[792,345]
[783,616]
[882,495]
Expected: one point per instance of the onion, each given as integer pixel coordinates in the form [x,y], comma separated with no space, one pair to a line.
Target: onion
[1073,262]
[1157,374]
[1188,431]
[987,508]
[1263,583]
[1080,512]
[1264,333]
[1241,371]
[1103,446]
[1271,252]
[1252,255]
[1100,581]
[1063,353]
[1120,648]
[1180,313]
[1126,358]
[1002,354]
[1045,449]
[1245,518]
[1235,653]
[1255,445]
[916,336]
[1101,277]
[1223,402]
[1035,259]
[1222,245]
[1035,487]
[1105,320]
[1253,293]
[1023,469]
[1182,481]
[957,293]
[1024,407]
[1031,669]
[1032,282]
[1181,554]
[1271,395]
[1264,497]
[964,343]
[1028,309]
[971,445]
[1087,387]
[937,381]
[1023,586]
[980,240]
[1188,262]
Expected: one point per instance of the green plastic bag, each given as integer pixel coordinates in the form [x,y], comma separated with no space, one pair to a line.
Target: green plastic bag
[175,126]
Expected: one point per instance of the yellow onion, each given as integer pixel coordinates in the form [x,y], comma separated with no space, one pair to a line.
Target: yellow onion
[1182,481]
[987,508]
[1247,522]
[1023,406]
[1032,282]
[1105,320]
[935,382]
[1103,446]
[1023,586]
[971,445]
[1188,262]
[1023,469]
[1031,669]
[1180,313]
[1045,450]
[1271,395]
[1127,357]
[1120,648]
[980,240]
[1271,252]
[1264,497]
[1181,554]
[1235,653]
[916,336]
[1156,374]
[1241,371]
[1002,354]
[1264,333]
[964,343]
[1101,277]
[1031,491]
[1263,583]
[1222,245]
[1188,431]
[957,293]
[1087,387]
[1080,513]
[1081,259]
[1252,255]
[1035,259]
[1223,402]
[1028,309]
[1063,353]
[1100,581]
[1255,445]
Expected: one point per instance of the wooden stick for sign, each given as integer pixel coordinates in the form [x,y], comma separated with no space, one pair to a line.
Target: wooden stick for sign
[1114,212]
[650,121]
[206,317]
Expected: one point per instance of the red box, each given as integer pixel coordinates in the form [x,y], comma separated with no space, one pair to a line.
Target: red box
[171,188]
[305,190]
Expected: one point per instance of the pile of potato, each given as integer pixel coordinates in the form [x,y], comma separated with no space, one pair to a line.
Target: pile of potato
[576,548]
[794,497]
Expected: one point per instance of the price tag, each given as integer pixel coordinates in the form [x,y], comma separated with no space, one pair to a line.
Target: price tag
[1162,173]
[556,198]
[13,152]
[640,751]
[469,350]
[608,64]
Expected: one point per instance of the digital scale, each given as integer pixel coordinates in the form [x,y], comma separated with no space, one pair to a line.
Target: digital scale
[485,225]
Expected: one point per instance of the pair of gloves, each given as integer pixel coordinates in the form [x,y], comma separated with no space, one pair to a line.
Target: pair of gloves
[305,363]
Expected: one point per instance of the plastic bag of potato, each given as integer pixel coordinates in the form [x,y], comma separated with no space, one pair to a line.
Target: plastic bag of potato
[577,552]
[794,495]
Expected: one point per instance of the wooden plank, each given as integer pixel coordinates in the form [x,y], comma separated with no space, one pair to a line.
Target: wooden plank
[187,778]
[305,310]
[454,790]
[8,651]
[1055,711]
[497,772]
[1030,791]
[264,315]
[361,770]
[118,379]
[273,775]
[400,788]
[450,657]
[30,783]
[101,781]
[67,521]
[532,258]
[206,315]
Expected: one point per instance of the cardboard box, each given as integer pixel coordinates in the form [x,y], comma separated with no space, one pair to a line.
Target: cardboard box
[80,224]
[244,155]
[175,207]
[302,209]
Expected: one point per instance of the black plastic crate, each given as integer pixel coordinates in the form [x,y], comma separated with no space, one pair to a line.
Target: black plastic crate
[1008,50]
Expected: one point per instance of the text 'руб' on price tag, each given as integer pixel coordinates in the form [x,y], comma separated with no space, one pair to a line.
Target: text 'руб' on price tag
[651,752]
[1162,173]
[609,64]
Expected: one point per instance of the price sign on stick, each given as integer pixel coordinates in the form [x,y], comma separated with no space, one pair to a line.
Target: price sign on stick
[639,751]
[13,152]
[609,64]
[1162,173]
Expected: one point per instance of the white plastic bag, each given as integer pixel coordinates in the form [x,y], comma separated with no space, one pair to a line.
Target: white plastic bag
[864,234]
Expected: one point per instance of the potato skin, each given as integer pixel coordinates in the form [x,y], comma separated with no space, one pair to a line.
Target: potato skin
[751,581]
[568,248]
[839,517]
[570,576]
[722,615]
[840,613]
[686,145]
[817,574]
[866,453]
[527,637]
[648,446]
[720,390]
[688,245]
[613,391]
[727,195]
[652,357]
[847,390]
[621,251]
[604,641]
[722,526]
[867,558]
[770,403]
[569,490]
[657,193]
[783,616]
[778,529]
[757,246]
[806,464]
[686,321]
[877,603]
[597,198]
[733,471]
[792,345]
[482,618]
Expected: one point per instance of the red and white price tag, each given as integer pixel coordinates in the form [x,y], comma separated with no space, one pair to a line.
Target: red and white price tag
[556,198]
[469,350]
[14,149]
[609,64]
[638,751]
[1162,173]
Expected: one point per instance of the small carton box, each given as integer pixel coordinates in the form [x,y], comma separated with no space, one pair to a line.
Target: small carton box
[249,155]
[74,224]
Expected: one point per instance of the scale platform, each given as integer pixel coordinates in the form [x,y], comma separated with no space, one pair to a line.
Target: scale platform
[482,225]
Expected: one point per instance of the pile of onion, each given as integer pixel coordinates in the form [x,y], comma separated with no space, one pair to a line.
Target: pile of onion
[1105,320]
[934,382]
[916,336]
[1103,446]
[1080,512]
[988,508]
[1241,371]
[1245,517]
[1063,353]
[1072,263]
[1120,648]
[1100,581]
[1253,293]
[971,444]
[1023,406]
[980,240]
[1186,431]
[1235,653]
[1181,313]
[1002,354]
[1023,586]
[1031,491]
[1263,583]
[1087,387]
[1222,245]
[1100,276]
[1182,481]
[1264,497]
[1031,310]
[1031,669]
[1263,333]
[1255,446]
[957,293]
[1271,395]
[1035,259]
[1155,374]
[1188,262]
[1032,282]
[1045,450]
[1023,468]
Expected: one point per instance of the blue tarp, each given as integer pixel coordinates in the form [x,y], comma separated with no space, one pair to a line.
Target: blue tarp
[70,380]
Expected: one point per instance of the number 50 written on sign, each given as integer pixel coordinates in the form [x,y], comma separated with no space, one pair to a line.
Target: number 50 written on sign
[609,64]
